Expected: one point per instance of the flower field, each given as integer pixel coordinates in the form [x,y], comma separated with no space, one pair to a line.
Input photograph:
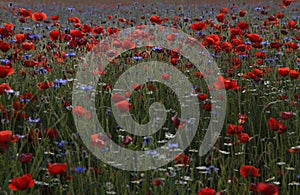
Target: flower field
[255,46]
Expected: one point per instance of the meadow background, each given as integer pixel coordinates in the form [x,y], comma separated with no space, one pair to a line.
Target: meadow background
[255,44]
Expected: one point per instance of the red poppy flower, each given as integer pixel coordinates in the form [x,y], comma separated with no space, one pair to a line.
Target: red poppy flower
[25,158]
[6,71]
[4,87]
[234,129]
[122,20]
[202,96]
[171,37]
[211,39]
[182,159]
[44,85]
[242,118]
[206,191]
[55,35]
[117,97]
[260,54]
[81,112]
[234,32]
[254,37]
[226,46]
[98,30]
[224,10]
[155,19]
[5,137]
[74,20]
[292,24]
[21,183]
[25,13]
[242,13]
[227,83]
[236,63]
[198,26]
[165,76]
[20,38]
[243,137]
[287,2]
[112,30]
[128,45]
[22,20]
[86,28]
[273,124]
[275,45]
[57,168]
[4,47]
[243,25]
[280,15]
[28,46]
[99,140]
[286,115]
[283,71]
[51,133]
[249,171]
[220,17]
[127,140]
[54,17]
[294,74]
[123,105]
[267,189]
[8,29]
[76,33]
[156,182]
[291,45]
[31,63]
[207,106]
[39,16]
[173,61]
[198,74]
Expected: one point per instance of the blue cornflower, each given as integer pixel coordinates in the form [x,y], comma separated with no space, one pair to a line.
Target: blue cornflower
[151,152]
[34,36]
[79,169]
[137,58]
[86,88]
[200,33]
[41,71]
[71,9]
[265,43]
[257,9]
[107,112]
[62,143]
[26,56]
[212,168]
[31,120]
[269,60]
[12,41]
[243,56]
[156,49]
[24,100]
[72,54]
[147,140]
[172,145]
[4,61]
[60,81]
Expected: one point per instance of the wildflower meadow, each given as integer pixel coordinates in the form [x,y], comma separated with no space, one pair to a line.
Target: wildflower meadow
[68,68]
